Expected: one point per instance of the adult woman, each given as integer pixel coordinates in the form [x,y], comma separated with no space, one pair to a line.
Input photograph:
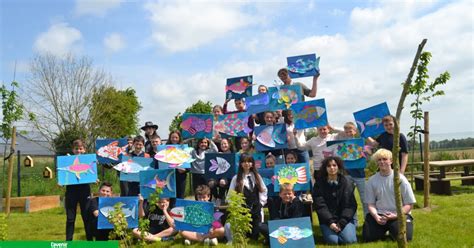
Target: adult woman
[335,203]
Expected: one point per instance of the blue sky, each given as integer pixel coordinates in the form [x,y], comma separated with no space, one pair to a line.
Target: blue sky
[176,52]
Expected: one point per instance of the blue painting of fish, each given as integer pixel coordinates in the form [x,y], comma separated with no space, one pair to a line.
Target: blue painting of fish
[293,233]
[303,66]
[257,103]
[271,137]
[268,177]
[174,156]
[283,97]
[239,87]
[235,124]
[296,174]
[194,216]
[219,165]
[310,114]
[369,120]
[352,151]
[76,169]
[129,206]
[196,125]
[110,151]
[130,167]
[165,179]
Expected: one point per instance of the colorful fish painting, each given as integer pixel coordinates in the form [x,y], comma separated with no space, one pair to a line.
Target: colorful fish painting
[174,156]
[352,151]
[130,166]
[110,151]
[239,87]
[282,97]
[233,124]
[194,216]
[271,137]
[165,179]
[294,232]
[303,65]
[309,114]
[78,169]
[128,205]
[295,174]
[269,179]
[257,104]
[219,165]
[369,120]
[196,125]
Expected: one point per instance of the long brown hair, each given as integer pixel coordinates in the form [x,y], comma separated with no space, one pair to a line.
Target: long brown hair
[168,142]
[239,187]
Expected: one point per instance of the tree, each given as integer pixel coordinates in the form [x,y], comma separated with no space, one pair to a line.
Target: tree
[199,107]
[114,113]
[59,96]
[401,238]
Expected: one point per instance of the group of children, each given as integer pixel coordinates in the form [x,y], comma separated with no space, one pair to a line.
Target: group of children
[288,204]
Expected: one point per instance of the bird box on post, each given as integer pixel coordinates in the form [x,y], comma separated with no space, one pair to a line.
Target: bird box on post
[47,173]
[28,162]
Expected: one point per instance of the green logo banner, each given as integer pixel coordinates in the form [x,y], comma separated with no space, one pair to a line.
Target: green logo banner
[60,244]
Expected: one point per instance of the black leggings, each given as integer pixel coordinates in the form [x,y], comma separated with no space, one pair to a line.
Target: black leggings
[76,194]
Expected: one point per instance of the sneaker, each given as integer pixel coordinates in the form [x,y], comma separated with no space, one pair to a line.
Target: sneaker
[187,242]
[214,242]
[306,198]
[206,241]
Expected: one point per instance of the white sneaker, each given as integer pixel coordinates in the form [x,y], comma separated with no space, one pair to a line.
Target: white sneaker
[214,242]
[206,241]
[187,242]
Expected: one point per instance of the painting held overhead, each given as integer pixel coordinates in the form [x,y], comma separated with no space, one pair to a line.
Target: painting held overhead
[196,125]
[369,120]
[257,104]
[303,65]
[239,87]
[310,114]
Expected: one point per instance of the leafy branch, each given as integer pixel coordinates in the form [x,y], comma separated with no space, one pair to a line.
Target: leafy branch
[120,231]
[239,218]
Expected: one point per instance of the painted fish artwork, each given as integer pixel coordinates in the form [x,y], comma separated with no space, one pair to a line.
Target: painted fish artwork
[196,126]
[294,232]
[369,120]
[195,216]
[219,165]
[303,65]
[129,206]
[270,137]
[257,103]
[235,124]
[239,87]
[310,114]
[130,167]
[77,169]
[174,156]
[165,179]
[283,97]
[296,174]
[352,151]
[268,177]
[109,151]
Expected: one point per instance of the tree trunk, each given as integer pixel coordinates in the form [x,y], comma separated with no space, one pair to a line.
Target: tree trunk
[401,238]
[426,161]
[10,173]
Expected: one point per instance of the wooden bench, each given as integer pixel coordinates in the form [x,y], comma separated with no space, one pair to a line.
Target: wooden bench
[441,186]
[29,204]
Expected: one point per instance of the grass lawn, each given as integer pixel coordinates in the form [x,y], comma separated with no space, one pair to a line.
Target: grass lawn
[448,224]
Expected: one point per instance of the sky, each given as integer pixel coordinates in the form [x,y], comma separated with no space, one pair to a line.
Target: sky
[174,53]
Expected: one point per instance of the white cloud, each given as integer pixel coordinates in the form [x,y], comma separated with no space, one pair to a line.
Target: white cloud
[184,25]
[114,42]
[58,40]
[95,7]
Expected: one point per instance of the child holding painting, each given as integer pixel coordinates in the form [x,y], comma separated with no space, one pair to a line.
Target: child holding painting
[175,138]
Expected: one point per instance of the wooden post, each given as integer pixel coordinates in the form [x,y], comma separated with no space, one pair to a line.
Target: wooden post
[426,161]
[10,173]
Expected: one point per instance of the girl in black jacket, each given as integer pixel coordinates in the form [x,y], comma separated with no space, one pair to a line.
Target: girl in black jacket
[335,203]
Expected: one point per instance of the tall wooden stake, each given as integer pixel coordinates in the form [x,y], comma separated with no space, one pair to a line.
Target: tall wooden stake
[10,173]
[426,161]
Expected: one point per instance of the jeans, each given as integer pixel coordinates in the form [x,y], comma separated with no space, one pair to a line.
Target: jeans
[346,236]
[360,185]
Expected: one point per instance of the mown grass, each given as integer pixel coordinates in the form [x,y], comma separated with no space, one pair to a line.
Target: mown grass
[448,224]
